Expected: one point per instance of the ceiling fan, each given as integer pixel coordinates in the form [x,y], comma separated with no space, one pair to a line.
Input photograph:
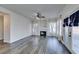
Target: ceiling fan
[39,15]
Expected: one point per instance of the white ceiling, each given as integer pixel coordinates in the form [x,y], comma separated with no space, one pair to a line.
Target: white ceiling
[28,10]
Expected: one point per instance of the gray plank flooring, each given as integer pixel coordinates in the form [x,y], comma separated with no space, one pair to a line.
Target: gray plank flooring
[36,45]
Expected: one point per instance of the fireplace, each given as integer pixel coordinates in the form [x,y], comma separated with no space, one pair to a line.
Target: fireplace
[43,33]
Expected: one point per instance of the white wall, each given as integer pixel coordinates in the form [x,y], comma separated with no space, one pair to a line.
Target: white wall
[1,27]
[20,26]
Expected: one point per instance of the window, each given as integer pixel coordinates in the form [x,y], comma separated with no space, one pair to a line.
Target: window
[34,27]
[52,27]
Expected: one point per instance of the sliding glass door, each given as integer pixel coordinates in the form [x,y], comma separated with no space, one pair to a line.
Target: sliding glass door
[75,39]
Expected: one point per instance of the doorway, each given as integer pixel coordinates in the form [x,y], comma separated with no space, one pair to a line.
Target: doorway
[1,29]
[4,28]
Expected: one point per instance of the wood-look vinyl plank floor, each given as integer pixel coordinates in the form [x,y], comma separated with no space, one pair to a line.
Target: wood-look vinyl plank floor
[36,45]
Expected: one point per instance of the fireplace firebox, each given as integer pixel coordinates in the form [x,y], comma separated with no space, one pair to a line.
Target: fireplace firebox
[43,33]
